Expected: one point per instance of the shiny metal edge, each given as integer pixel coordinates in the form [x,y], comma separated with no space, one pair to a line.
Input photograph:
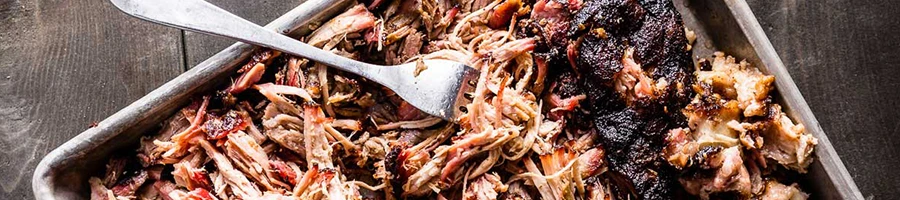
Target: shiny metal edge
[56,177]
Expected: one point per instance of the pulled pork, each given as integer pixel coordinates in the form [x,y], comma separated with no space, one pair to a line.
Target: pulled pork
[593,99]
[733,131]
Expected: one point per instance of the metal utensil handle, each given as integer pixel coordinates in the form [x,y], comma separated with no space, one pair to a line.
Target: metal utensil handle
[201,16]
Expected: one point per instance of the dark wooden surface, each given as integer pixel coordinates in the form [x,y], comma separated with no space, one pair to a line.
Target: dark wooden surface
[843,56]
[199,46]
[65,64]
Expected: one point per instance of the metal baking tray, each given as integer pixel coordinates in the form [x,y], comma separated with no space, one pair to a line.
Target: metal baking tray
[720,25]
[730,26]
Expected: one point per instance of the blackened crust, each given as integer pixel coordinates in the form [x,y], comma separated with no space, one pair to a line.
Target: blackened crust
[632,132]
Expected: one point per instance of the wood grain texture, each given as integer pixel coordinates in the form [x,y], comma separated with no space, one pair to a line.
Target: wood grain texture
[842,55]
[64,65]
[199,46]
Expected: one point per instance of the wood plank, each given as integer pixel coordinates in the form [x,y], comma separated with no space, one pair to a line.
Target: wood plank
[842,55]
[199,46]
[64,65]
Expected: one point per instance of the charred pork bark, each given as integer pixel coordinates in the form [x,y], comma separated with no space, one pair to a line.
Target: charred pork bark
[630,59]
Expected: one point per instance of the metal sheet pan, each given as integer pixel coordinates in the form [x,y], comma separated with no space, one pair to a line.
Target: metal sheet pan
[720,25]
[730,26]
[63,173]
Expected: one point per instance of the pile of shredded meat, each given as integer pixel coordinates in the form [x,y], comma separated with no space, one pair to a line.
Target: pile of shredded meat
[593,99]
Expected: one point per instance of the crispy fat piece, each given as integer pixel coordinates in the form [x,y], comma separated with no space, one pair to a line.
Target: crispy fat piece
[740,81]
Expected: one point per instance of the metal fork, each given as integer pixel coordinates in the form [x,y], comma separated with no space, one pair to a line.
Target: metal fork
[439,90]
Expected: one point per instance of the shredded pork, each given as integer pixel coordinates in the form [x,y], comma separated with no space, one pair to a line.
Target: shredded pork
[289,128]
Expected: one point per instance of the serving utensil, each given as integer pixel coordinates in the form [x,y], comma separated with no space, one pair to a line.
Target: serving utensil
[437,90]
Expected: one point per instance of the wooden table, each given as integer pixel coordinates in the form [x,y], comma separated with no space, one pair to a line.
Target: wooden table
[67,64]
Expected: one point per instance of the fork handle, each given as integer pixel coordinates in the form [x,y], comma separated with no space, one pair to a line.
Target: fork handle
[201,16]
